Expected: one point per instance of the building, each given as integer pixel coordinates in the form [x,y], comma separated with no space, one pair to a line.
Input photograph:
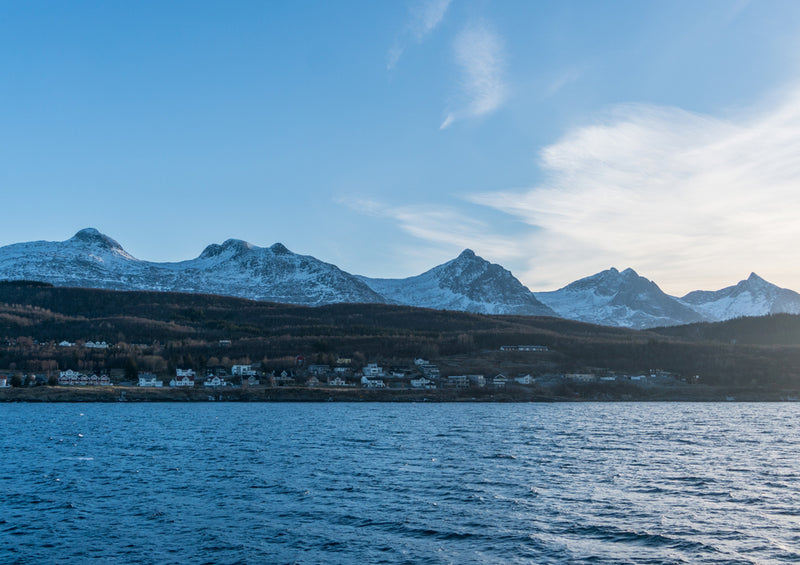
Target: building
[319,369]
[214,382]
[96,345]
[243,371]
[422,382]
[183,378]
[150,380]
[372,370]
[458,381]
[524,380]
[499,381]
[372,383]
[4,382]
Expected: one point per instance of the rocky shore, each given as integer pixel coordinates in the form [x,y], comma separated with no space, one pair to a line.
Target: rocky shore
[305,394]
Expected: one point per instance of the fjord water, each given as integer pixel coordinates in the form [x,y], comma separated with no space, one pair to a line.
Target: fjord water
[400,483]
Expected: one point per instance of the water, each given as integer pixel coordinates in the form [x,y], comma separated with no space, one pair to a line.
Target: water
[400,483]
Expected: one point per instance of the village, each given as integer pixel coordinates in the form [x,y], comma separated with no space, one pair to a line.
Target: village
[343,373]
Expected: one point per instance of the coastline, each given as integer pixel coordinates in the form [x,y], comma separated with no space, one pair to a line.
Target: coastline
[306,394]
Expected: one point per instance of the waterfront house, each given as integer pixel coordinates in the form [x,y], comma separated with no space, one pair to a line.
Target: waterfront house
[458,381]
[4,382]
[499,381]
[149,380]
[422,382]
[372,383]
[214,381]
[183,378]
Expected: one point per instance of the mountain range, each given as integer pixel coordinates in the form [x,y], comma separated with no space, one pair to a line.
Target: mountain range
[467,283]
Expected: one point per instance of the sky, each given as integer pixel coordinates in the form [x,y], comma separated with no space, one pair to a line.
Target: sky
[557,138]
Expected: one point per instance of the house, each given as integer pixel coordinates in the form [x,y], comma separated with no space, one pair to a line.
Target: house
[66,343]
[149,380]
[70,378]
[224,343]
[581,377]
[344,361]
[499,381]
[252,381]
[214,382]
[524,380]
[284,379]
[243,371]
[343,370]
[4,382]
[319,369]
[422,382]
[458,381]
[337,381]
[430,371]
[96,345]
[312,381]
[372,383]
[183,378]
[372,370]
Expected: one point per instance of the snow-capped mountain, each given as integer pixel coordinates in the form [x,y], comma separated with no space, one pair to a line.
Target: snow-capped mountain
[614,298]
[467,283]
[751,297]
[235,268]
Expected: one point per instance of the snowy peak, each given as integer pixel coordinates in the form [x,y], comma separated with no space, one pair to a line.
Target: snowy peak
[753,296]
[615,298]
[92,237]
[468,283]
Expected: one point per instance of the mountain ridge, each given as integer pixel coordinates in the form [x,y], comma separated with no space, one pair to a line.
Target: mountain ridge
[467,283]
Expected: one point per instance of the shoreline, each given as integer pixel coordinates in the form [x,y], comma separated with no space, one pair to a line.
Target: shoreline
[305,394]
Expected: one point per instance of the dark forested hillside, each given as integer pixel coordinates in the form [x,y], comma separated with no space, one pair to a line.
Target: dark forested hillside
[760,351]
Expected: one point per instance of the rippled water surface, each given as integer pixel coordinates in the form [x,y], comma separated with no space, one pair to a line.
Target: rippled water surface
[400,483]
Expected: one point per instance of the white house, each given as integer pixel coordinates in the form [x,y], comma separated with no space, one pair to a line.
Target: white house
[66,343]
[523,348]
[4,382]
[499,381]
[524,380]
[372,370]
[243,371]
[458,381]
[214,382]
[422,382]
[150,380]
[337,381]
[96,345]
[372,383]
[185,373]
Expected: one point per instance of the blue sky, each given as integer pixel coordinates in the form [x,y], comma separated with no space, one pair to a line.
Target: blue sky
[555,138]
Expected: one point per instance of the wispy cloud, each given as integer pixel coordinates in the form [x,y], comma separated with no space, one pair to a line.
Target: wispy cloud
[425,17]
[480,54]
[684,198]
[445,229]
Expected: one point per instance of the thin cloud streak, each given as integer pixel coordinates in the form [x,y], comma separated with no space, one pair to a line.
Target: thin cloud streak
[683,198]
[425,17]
[448,230]
[480,54]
